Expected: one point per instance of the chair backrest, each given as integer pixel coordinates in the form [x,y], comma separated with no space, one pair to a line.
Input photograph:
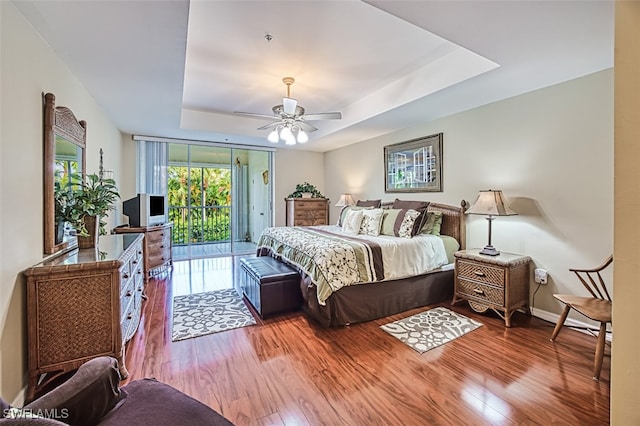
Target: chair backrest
[592,280]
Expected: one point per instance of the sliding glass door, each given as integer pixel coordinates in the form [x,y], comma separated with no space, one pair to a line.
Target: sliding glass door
[219,199]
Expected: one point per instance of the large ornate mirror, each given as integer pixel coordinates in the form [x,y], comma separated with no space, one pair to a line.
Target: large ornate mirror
[64,153]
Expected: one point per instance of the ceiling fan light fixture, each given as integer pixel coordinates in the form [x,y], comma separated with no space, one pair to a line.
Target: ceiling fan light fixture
[273,136]
[285,135]
[302,136]
[290,139]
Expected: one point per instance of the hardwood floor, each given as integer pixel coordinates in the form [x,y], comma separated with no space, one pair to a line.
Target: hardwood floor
[289,371]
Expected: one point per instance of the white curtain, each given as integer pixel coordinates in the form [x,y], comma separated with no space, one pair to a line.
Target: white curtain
[152,167]
[240,203]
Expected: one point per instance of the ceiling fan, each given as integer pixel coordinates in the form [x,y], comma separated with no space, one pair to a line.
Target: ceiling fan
[291,124]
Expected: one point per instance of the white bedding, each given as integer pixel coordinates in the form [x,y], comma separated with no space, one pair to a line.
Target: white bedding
[405,257]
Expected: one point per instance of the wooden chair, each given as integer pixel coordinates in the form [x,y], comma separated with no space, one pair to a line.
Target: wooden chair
[596,307]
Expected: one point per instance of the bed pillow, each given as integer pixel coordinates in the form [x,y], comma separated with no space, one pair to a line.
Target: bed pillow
[344,211]
[399,222]
[432,224]
[352,221]
[369,203]
[419,206]
[371,222]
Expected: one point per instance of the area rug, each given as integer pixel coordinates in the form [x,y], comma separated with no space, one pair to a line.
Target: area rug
[210,312]
[430,329]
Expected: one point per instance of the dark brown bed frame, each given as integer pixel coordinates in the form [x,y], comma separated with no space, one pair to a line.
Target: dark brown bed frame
[365,302]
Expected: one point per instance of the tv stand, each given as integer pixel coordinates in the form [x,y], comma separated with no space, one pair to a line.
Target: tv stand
[157,246]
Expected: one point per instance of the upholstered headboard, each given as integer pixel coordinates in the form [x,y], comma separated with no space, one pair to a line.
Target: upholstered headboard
[452,219]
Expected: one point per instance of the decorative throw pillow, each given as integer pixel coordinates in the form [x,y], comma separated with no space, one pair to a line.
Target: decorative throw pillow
[371,221]
[420,206]
[352,221]
[347,209]
[369,203]
[399,222]
[432,224]
[406,228]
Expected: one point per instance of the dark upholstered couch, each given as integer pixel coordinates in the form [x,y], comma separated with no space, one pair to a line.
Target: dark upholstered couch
[92,397]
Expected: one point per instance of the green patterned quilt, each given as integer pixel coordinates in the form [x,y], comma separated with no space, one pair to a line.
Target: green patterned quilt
[331,260]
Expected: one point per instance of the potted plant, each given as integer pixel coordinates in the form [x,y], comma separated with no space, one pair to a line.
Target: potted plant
[306,190]
[83,204]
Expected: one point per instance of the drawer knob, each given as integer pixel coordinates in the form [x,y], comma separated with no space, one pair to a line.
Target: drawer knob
[478,291]
[125,276]
[128,293]
[129,316]
[479,273]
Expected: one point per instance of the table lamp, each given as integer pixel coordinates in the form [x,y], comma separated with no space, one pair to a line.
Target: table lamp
[490,203]
[345,200]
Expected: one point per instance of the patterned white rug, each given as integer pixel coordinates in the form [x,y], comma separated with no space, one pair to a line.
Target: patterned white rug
[210,312]
[430,329]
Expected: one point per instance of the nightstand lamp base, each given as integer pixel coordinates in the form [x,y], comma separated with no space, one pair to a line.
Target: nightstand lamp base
[489,250]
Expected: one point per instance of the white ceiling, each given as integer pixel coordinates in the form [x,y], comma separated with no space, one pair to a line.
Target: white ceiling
[180,69]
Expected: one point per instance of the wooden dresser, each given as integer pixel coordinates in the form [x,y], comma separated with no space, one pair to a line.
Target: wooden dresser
[307,211]
[81,305]
[157,246]
[500,283]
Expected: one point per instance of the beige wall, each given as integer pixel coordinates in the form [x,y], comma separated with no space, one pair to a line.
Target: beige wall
[291,168]
[29,68]
[625,370]
[550,151]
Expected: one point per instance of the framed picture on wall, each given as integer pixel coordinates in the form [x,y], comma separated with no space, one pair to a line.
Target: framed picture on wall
[414,165]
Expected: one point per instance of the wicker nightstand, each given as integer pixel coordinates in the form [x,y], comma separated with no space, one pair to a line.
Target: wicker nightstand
[498,282]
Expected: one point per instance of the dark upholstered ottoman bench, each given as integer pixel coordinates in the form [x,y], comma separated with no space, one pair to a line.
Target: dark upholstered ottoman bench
[271,286]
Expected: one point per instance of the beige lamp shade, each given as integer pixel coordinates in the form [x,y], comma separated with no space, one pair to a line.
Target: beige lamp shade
[345,200]
[490,203]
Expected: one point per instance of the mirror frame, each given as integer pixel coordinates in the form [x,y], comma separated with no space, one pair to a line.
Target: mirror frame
[58,121]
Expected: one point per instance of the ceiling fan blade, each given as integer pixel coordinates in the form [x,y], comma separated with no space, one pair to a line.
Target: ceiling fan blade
[306,126]
[270,126]
[324,116]
[289,105]
[251,114]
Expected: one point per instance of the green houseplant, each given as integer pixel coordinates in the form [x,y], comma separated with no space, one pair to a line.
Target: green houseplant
[83,203]
[306,187]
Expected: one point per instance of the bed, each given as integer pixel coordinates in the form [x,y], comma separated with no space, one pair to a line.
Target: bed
[368,285]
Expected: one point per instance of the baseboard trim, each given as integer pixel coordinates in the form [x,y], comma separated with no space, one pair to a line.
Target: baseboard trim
[570,322]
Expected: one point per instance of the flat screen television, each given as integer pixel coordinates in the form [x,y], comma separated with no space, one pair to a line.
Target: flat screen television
[146,209]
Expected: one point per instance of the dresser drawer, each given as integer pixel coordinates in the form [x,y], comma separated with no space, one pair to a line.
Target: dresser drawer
[309,214]
[159,257]
[480,292]
[127,295]
[310,205]
[480,273]
[158,237]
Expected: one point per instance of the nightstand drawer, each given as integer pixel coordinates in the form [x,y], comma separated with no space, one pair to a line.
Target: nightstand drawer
[480,292]
[480,273]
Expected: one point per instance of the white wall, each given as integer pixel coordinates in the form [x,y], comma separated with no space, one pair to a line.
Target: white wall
[29,69]
[291,168]
[625,352]
[550,151]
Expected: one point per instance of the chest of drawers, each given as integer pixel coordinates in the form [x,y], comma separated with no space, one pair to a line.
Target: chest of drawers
[307,211]
[157,246]
[500,283]
[83,304]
